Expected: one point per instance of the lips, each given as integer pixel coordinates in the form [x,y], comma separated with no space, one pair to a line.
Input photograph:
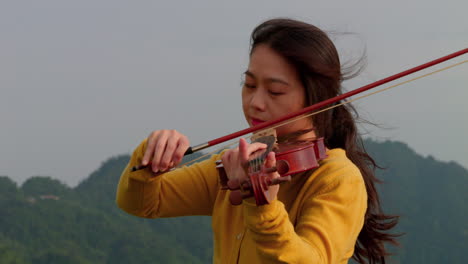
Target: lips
[256,121]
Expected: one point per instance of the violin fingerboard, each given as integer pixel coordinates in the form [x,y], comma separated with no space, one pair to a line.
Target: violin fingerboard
[256,163]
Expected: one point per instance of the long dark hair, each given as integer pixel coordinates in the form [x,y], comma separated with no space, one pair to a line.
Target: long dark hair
[316,59]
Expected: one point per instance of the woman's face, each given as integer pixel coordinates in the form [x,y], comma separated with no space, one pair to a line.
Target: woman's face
[272,89]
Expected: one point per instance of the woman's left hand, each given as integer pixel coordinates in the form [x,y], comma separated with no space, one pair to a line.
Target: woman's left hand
[235,162]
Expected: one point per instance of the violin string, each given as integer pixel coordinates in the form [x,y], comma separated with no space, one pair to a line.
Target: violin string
[329,108]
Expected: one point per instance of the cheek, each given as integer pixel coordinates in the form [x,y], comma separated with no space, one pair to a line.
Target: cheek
[244,100]
[293,104]
[298,102]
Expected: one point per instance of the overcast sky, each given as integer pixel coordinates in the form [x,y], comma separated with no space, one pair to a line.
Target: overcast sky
[82,81]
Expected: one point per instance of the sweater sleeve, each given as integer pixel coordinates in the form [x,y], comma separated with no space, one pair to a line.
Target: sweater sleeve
[184,191]
[326,230]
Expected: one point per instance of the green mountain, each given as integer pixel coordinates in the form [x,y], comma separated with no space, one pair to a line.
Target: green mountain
[430,196]
[45,221]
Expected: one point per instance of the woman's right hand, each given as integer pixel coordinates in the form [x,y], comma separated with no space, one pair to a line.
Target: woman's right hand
[164,150]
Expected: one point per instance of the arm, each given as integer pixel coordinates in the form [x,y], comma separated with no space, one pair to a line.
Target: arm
[185,191]
[326,230]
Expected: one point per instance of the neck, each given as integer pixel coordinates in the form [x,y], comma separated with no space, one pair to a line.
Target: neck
[300,135]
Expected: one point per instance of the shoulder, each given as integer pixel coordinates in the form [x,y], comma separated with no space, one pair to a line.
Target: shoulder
[335,170]
[337,166]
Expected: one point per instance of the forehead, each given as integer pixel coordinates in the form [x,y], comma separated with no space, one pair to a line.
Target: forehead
[267,63]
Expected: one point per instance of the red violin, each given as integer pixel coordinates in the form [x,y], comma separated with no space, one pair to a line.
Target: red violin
[291,158]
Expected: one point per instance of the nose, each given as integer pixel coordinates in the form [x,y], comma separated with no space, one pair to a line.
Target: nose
[257,101]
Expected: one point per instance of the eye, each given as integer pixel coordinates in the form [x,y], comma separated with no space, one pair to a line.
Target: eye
[275,93]
[249,85]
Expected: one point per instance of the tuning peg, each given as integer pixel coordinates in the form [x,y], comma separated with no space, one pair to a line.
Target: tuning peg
[279,180]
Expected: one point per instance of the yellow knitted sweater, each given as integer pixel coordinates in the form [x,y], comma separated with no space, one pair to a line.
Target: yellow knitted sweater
[315,219]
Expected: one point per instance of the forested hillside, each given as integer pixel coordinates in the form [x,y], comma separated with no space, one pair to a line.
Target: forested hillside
[45,221]
[431,198]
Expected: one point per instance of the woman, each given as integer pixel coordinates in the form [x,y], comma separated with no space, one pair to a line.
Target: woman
[326,215]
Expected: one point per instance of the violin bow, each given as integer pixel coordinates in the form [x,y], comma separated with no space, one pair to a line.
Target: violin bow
[322,104]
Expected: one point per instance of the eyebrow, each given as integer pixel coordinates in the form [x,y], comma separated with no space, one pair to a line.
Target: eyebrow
[271,79]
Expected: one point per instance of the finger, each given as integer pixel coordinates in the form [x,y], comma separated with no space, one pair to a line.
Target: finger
[227,157]
[171,145]
[159,150]
[244,151]
[150,143]
[270,163]
[182,147]
[256,147]
[249,149]
[270,160]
